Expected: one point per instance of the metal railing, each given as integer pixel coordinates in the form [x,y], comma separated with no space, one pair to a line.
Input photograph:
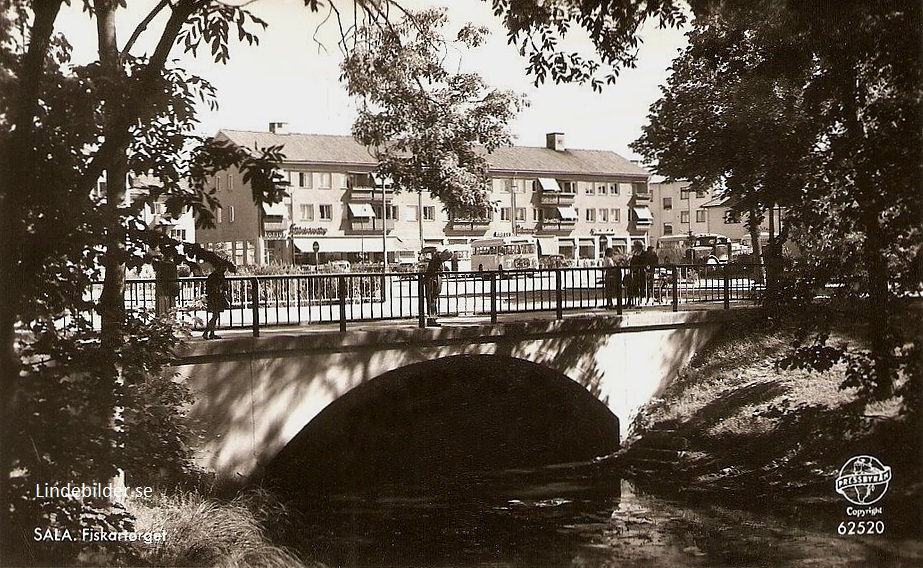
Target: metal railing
[258,302]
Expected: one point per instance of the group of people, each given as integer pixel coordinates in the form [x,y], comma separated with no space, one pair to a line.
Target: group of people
[637,283]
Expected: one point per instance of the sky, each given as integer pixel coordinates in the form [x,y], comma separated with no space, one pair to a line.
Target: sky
[292,76]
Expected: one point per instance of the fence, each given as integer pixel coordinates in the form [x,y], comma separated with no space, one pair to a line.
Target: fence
[292,300]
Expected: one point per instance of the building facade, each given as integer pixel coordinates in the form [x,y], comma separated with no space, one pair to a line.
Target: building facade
[576,203]
[680,211]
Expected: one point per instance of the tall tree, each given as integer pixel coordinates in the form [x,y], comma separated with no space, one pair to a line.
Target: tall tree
[427,127]
[817,107]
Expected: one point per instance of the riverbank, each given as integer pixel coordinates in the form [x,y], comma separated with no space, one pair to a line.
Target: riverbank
[735,429]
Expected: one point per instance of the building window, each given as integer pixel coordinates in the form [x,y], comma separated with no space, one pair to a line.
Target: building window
[325,181]
[504,213]
[590,189]
[307,211]
[616,216]
[567,186]
[604,215]
[326,212]
[684,216]
[218,215]
[390,211]
[536,214]
[429,213]
[639,188]
[156,208]
[231,214]
[411,213]
[601,189]
[667,228]
[731,217]
[591,215]
[520,213]
[178,234]
[217,183]
[614,188]
[667,203]
[700,216]
[305,179]
[684,193]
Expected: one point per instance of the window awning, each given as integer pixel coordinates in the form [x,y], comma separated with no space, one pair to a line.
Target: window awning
[549,184]
[567,213]
[278,209]
[643,215]
[363,210]
[547,245]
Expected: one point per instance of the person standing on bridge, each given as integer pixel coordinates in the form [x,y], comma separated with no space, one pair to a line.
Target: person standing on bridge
[432,285]
[216,297]
[610,276]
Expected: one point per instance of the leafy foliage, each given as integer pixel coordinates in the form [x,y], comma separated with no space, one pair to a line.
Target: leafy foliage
[427,127]
[803,105]
[538,29]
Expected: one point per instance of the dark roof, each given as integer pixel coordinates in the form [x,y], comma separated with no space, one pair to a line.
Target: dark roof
[338,150]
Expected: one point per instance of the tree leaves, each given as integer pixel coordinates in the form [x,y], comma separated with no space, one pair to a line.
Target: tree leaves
[428,128]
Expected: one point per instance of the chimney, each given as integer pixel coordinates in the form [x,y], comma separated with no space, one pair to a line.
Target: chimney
[278,127]
[555,141]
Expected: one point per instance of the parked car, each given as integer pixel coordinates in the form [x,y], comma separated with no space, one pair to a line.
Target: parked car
[339,266]
[552,261]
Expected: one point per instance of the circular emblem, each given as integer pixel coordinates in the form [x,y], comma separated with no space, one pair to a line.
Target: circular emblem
[863,480]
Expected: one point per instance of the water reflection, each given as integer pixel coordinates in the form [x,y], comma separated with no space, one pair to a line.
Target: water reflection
[571,515]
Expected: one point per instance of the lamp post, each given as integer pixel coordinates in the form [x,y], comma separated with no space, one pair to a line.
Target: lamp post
[384,228]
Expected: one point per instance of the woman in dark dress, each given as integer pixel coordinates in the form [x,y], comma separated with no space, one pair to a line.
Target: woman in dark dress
[216,298]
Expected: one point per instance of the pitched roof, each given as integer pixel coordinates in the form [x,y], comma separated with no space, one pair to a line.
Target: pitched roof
[340,150]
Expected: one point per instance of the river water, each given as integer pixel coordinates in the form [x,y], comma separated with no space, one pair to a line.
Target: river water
[573,515]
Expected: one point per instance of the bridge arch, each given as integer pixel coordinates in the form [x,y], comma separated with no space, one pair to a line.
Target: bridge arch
[255,394]
[432,421]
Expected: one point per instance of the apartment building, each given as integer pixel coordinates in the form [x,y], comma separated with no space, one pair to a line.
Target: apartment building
[680,211]
[574,202]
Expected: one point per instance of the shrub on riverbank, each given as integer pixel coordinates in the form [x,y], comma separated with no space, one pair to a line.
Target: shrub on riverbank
[202,531]
[764,435]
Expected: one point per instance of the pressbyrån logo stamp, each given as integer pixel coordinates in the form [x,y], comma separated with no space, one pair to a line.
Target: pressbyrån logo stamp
[863,480]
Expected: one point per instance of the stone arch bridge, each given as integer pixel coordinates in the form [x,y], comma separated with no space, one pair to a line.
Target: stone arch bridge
[254,395]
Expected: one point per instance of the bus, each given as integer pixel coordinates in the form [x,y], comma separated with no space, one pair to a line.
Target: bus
[504,253]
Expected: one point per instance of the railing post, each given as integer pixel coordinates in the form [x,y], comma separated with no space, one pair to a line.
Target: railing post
[558,295]
[493,297]
[618,290]
[675,288]
[421,300]
[341,292]
[255,304]
[727,286]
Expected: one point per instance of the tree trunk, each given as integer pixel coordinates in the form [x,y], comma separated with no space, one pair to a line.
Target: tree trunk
[879,311]
[112,300]
[15,156]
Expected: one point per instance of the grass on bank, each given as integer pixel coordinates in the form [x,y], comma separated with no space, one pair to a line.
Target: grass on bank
[768,435]
[209,532]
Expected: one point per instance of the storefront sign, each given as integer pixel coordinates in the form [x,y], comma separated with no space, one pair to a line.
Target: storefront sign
[296,230]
